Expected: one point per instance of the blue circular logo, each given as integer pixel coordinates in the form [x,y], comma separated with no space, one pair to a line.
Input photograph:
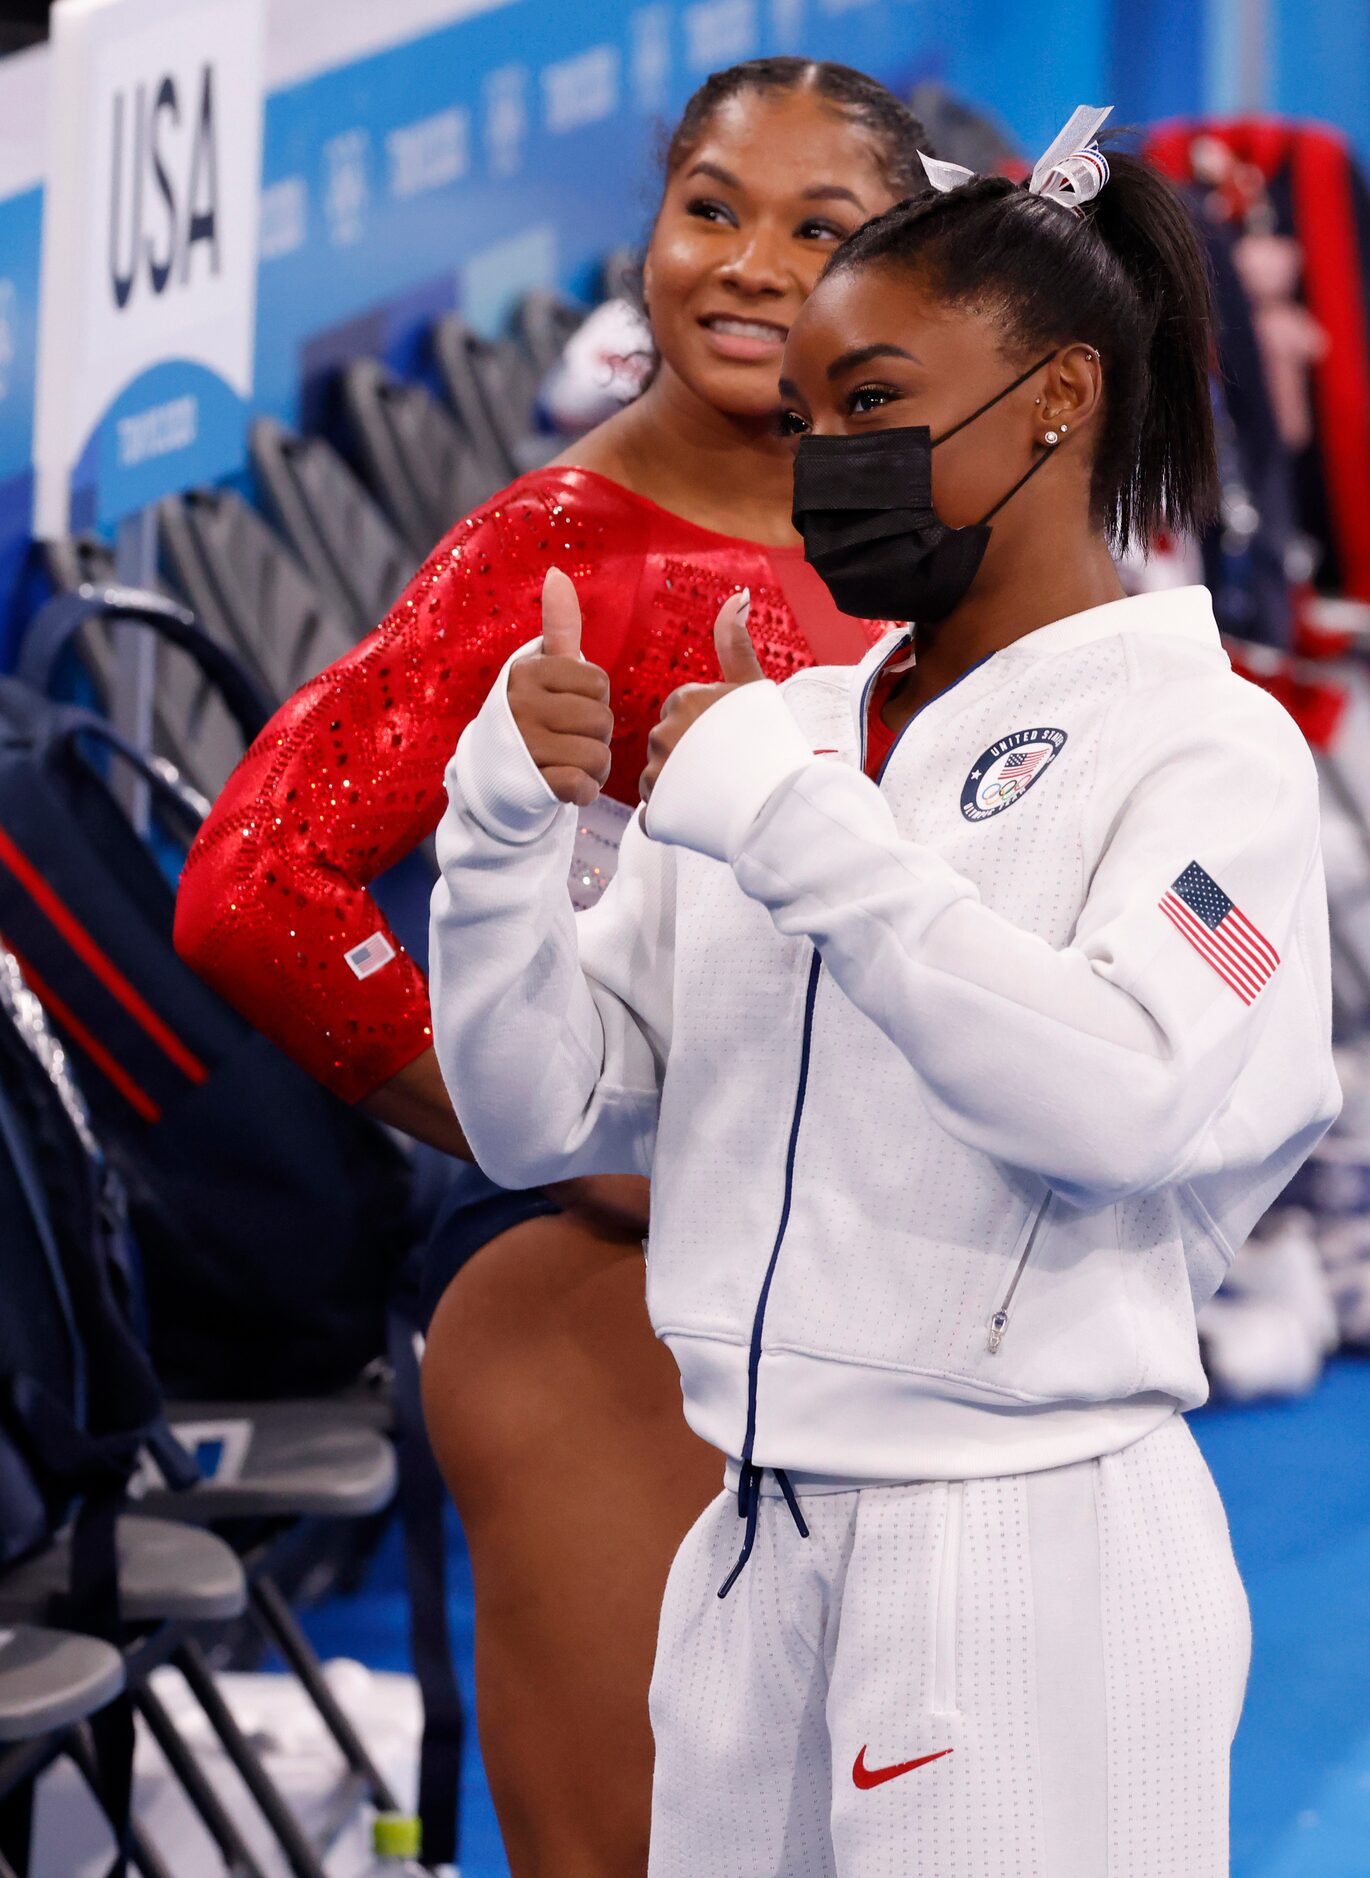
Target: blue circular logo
[1007,770]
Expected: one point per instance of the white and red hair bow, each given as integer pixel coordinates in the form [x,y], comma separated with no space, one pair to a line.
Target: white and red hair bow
[1071,171]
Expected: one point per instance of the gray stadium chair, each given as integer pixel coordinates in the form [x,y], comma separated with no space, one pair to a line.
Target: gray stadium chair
[174,1579]
[302,1460]
[50,1679]
[192,731]
[542,324]
[492,385]
[171,1577]
[168,1572]
[247,589]
[417,459]
[349,549]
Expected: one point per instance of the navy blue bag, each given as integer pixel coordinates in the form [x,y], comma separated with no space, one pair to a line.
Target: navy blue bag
[271,1217]
[273,1220]
[78,1398]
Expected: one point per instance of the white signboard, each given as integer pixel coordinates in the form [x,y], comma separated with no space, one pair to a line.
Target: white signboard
[149,253]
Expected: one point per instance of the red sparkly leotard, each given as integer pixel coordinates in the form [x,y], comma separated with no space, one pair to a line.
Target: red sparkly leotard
[348,776]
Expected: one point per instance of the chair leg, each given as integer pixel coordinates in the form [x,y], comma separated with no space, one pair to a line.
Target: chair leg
[279,1621]
[198,1788]
[16,1824]
[142,1852]
[303,1859]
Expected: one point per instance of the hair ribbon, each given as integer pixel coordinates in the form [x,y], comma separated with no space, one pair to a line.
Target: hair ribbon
[1071,170]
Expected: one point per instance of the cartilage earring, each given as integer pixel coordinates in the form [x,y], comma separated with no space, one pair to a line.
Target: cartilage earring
[1051,437]
[1064,429]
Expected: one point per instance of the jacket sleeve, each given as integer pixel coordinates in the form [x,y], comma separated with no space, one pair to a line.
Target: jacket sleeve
[1102,1066]
[551,1028]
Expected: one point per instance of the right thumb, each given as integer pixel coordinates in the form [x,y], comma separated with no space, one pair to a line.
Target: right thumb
[560,616]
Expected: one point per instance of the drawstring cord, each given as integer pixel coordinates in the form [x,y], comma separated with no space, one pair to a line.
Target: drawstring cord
[748,1508]
[749,1479]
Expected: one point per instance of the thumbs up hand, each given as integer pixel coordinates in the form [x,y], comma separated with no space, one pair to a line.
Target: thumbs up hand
[739,665]
[561,704]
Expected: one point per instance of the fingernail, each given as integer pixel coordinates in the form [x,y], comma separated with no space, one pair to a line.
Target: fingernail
[744,610]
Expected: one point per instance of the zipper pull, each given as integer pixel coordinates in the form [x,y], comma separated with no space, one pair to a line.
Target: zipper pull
[998,1324]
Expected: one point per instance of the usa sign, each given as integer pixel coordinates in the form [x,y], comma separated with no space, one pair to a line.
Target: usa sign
[149,253]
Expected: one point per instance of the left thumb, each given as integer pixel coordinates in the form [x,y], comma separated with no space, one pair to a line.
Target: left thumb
[737,658]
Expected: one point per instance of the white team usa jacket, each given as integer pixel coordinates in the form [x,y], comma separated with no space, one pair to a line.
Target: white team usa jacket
[959,1092]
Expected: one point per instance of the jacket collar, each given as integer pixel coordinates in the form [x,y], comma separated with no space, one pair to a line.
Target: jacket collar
[1171,612]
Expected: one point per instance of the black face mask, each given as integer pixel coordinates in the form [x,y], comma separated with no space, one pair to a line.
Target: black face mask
[863,505]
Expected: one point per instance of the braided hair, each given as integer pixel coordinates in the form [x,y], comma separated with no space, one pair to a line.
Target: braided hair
[894,131]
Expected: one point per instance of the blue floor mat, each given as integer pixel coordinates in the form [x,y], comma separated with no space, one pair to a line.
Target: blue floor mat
[1296,1481]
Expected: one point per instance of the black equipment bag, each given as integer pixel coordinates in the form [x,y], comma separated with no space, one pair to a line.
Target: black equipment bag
[272,1219]
[78,1397]
[271,1216]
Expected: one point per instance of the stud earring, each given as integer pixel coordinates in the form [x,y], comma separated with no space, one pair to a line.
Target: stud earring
[1051,437]
[1064,429]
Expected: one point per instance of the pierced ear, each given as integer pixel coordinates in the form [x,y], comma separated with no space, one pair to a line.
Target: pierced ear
[1075,386]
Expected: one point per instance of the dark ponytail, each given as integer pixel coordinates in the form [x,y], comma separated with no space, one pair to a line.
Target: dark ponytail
[1127,276]
[894,132]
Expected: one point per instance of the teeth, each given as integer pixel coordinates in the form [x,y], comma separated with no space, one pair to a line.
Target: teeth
[747,329]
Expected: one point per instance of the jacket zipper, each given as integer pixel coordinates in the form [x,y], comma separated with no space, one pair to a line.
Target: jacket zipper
[759,1316]
[998,1323]
[748,1487]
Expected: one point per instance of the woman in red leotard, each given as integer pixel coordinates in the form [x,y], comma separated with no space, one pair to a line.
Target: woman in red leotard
[555,1415]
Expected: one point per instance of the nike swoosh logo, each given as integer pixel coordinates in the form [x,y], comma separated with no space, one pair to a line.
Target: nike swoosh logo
[868,1777]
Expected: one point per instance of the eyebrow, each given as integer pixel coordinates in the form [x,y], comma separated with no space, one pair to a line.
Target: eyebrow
[820,192]
[717,171]
[862,355]
[827,192]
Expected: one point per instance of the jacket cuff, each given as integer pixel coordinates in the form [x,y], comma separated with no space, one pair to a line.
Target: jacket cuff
[492,778]
[725,769]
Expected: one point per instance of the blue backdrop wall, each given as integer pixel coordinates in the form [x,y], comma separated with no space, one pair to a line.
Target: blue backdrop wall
[498,144]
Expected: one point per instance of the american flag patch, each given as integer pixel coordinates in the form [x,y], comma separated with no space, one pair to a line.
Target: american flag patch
[1220,932]
[1022,763]
[370,955]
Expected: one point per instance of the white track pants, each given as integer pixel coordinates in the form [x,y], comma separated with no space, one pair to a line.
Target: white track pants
[1071,1646]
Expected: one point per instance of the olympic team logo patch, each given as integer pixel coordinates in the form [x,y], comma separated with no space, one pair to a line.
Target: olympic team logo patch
[1007,770]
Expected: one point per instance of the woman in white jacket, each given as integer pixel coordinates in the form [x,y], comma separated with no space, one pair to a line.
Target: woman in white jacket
[967,1009]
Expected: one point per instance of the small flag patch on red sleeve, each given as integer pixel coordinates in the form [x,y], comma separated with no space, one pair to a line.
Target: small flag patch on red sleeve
[1220,932]
[370,955]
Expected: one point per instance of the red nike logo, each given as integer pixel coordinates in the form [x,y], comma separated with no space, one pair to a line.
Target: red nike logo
[868,1777]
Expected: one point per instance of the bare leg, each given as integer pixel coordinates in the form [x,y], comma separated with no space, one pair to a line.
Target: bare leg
[555,1415]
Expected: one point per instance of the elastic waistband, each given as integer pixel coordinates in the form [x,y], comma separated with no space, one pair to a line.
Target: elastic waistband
[833,1426]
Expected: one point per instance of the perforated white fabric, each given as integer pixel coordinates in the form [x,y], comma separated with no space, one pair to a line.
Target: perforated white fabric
[1077,1639]
[1007,1039]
